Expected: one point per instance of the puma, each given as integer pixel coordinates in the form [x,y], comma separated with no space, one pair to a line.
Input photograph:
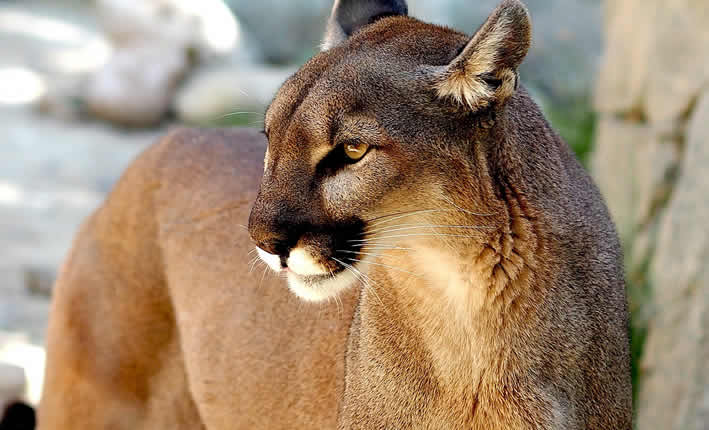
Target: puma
[442,260]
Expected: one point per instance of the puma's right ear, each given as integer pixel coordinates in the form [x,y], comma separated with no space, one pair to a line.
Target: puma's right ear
[348,16]
[486,69]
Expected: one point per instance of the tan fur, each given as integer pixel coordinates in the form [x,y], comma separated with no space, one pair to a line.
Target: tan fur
[158,321]
[474,278]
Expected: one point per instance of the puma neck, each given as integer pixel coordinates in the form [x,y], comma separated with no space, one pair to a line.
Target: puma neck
[458,314]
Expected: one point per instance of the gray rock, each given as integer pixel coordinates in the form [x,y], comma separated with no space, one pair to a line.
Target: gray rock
[654,68]
[676,77]
[654,132]
[218,91]
[12,384]
[39,280]
[612,164]
[206,27]
[52,176]
[625,65]
[676,387]
[137,85]
[285,31]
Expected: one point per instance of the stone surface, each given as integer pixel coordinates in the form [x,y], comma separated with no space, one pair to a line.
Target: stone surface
[57,44]
[653,96]
[632,164]
[206,27]
[612,163]
[39,280]
[677,76]
[52,175]
[625,65]
[12,384]
[136,87]
[676,389]
[218,91]
[634,77]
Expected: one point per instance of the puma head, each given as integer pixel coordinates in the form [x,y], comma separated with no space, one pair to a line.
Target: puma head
[377,131]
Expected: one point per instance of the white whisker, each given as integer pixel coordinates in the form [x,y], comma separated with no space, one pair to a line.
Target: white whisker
[265,269]
[387,266]
[425,211]
[419,226]
[361,276]
[360,253]
[374,239]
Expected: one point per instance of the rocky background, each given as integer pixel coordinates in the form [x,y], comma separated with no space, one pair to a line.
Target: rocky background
[87,84]
[651,159]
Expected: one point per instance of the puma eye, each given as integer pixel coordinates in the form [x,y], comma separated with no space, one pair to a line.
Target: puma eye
[355,150]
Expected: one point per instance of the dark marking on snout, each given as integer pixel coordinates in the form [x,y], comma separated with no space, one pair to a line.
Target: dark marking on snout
[277,228]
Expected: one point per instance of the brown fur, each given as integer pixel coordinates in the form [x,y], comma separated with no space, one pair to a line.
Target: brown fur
[512,317]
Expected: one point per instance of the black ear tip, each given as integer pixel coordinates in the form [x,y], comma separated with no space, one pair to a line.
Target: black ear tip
[400,7]
[18,416]
[348,16]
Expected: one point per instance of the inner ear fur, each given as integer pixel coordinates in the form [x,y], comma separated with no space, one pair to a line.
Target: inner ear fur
[348,16]
[486,69]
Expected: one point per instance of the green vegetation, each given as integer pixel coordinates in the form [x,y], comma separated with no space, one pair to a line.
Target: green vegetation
[576,124]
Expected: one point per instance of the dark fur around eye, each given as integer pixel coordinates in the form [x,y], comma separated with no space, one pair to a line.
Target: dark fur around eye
[336,160]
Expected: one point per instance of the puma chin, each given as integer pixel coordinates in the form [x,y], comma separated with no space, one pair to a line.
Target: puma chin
[310,280]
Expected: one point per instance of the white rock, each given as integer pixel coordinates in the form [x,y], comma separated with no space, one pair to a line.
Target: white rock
[215,92]
[136,86]
[12,383]
[207,26]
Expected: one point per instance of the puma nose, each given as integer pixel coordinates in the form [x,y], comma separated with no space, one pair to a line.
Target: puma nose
[275,225]
[271,234]
[271,243]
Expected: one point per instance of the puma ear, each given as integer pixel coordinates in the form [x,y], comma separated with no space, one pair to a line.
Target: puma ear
[486,69]
[348,16]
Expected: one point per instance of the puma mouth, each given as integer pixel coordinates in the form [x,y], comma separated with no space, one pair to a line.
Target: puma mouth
[318,288]
[308,279]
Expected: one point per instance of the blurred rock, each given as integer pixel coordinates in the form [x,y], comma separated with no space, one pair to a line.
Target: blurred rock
[285,31]
[205,27]
[613,157]
[682,71]
[39,280]
[12,384]
[53,174]
[137,85]
[652,164]
[215,92]
[624,69]
[664,86]
[675,391]
[63,99]
[632,165]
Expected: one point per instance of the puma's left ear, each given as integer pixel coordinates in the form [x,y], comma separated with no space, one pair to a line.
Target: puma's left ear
[486,69]
[349,16]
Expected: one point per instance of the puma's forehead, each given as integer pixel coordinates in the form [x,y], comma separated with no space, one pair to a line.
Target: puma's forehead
[336,79]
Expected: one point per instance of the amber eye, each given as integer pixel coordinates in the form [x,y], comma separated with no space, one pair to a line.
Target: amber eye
[355,150]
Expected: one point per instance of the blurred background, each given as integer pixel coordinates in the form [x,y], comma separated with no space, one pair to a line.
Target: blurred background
[85,85]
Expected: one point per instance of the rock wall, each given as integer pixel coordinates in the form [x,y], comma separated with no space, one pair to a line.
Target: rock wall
[652,163]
